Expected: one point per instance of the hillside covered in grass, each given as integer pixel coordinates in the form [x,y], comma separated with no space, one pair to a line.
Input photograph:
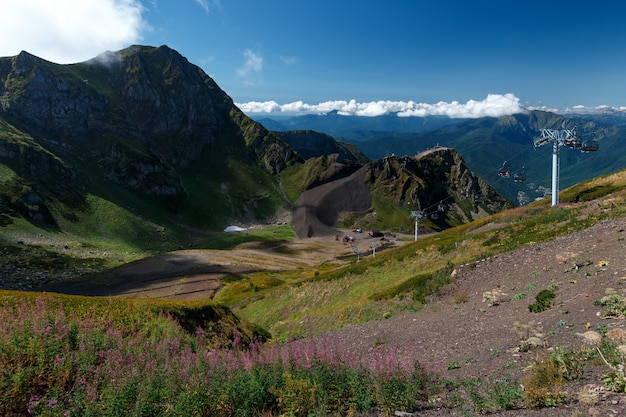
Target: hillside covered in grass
[99,356]
[403,279]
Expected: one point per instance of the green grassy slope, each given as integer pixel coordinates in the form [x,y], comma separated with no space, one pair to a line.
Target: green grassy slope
[401,279]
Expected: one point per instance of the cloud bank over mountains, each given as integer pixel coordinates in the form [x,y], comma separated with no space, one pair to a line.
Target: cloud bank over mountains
[493,105]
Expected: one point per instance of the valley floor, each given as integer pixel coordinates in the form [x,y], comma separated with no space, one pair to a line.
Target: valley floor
[198,274]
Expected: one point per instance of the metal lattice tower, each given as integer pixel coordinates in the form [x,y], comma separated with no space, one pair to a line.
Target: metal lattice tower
[558,138]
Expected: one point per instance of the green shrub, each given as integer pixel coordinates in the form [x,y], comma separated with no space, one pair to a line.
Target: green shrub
[544,386]
[298,396]
[543,301]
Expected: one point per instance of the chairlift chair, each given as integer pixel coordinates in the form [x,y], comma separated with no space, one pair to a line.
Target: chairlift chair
[574,142]
[590,145]
[504,171]
[520,176]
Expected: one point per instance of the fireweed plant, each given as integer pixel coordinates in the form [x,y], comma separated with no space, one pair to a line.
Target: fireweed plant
[55,362]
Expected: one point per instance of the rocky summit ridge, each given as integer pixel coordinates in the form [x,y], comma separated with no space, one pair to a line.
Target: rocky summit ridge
[144,127]
[140,117]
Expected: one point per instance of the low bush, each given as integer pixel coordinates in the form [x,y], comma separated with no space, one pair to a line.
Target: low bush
[543,301]
[544,386]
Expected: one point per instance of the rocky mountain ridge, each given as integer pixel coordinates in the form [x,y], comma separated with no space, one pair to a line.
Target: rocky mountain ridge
[383,194]
[139,118]
[145,125]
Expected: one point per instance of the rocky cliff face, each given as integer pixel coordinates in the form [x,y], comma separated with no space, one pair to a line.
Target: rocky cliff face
[384,193]
[146,93]
[430,176]
[152,95]
[142,116]
[146,121]
[273,152]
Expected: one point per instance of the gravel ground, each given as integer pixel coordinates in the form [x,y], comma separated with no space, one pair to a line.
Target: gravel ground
[481,326]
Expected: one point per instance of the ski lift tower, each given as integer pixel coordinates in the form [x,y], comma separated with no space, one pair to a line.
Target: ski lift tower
[558,138]
[417,215]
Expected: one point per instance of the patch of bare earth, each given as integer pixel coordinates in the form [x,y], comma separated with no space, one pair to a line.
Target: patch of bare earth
[199,274]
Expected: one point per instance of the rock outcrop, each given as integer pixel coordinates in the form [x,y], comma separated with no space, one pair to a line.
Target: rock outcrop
[435,183]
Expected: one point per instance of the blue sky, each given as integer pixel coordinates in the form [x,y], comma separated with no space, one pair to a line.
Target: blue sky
[362,57]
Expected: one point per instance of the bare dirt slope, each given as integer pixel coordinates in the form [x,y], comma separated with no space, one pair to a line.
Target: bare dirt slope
[199,274]
[480,325]
[316,211]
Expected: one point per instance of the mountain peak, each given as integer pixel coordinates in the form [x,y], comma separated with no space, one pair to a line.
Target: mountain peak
[140,118]
[24,62]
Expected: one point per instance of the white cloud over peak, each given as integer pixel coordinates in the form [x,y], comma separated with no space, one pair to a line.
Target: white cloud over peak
[493,105]
[253,63]
[69,31]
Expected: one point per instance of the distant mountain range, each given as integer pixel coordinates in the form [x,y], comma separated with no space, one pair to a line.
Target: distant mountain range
[485,143]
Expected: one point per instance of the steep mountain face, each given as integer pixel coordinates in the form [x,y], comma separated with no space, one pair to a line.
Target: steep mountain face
[437,175]
[384,193]
[144,119]
[151,137]
[142,93]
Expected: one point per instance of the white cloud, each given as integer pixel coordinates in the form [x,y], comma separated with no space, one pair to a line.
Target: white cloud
[205,4]
[254,63]
[493,105]
[68,31]
[289,60]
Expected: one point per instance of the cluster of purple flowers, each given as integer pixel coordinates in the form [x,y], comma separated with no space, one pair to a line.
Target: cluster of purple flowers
[65,363]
